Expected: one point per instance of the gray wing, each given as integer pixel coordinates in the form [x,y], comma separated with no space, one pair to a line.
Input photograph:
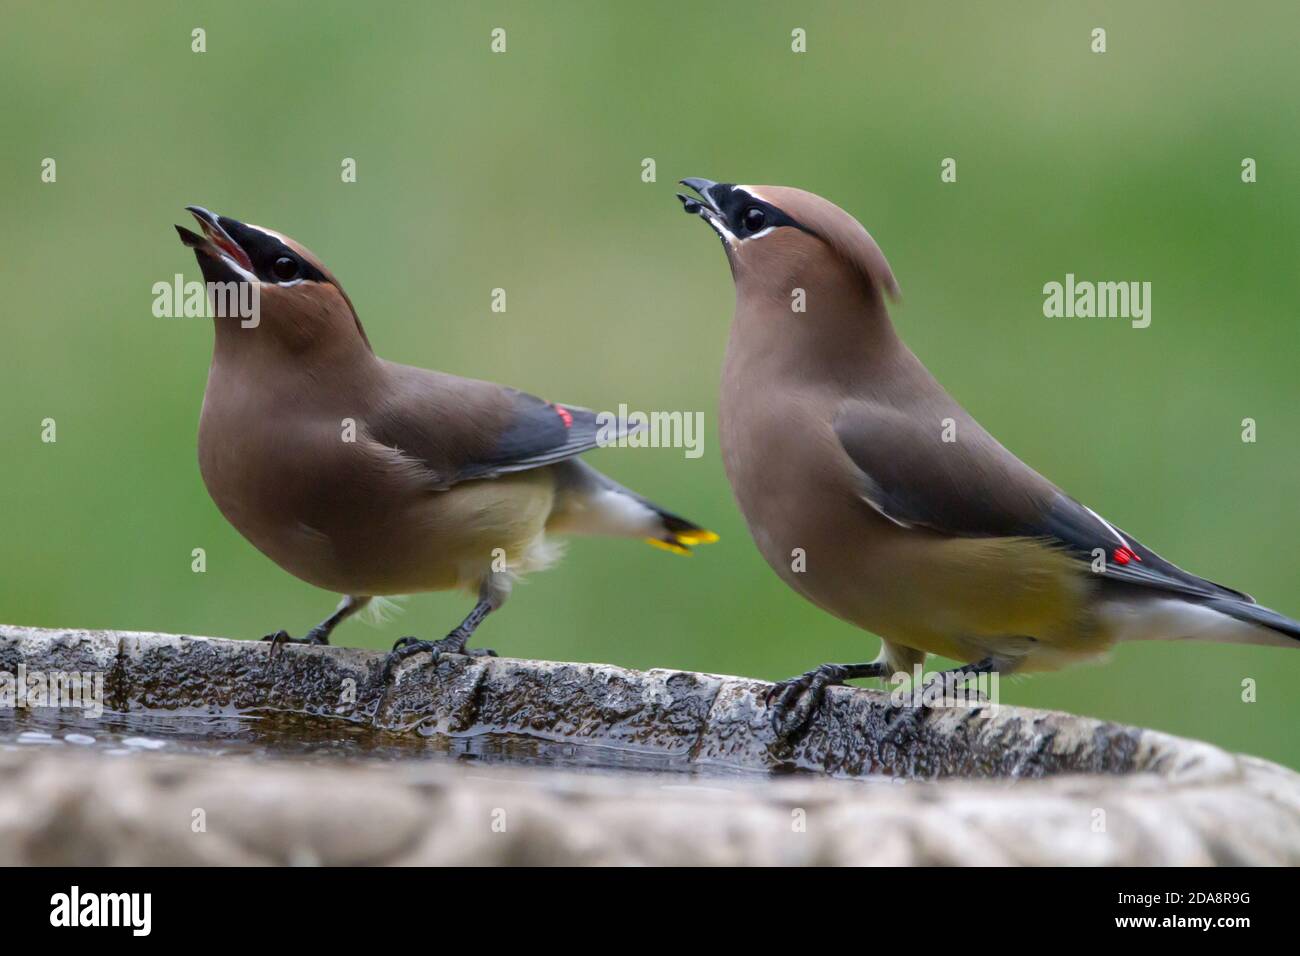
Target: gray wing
[974,487]
[536,432]
[464,429]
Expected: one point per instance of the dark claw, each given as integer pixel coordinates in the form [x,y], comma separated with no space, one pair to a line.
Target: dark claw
[797,699]
[410,646]
[280,638]
[911,716]
[794,702]
[404,648]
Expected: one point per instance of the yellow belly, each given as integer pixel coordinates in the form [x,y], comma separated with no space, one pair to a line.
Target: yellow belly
[969,598]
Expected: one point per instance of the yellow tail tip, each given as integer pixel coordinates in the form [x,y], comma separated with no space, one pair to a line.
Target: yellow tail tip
[682,540]
[696,537]
[669,546]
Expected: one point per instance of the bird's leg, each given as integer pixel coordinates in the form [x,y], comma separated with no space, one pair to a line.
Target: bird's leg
[320,634]
[956,676]
[453,643]
[793,702]
[910,713]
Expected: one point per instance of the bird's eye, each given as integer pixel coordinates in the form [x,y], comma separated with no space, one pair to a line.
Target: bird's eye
[754,218]
[285,268]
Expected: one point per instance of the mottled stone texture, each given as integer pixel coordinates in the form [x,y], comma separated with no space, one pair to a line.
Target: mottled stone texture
[1014,786]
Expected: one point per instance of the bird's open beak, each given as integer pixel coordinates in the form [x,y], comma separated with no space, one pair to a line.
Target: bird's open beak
[705,207]
[215,241]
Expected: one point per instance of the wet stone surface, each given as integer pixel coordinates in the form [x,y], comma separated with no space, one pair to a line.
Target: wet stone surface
[684,719]
[321,760]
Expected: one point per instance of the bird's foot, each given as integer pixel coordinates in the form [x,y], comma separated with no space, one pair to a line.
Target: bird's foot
[314,637]
[936,691]
[941,688]
[793,703]
[453,643]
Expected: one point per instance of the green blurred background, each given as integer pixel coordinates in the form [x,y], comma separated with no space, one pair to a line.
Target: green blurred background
[522,171]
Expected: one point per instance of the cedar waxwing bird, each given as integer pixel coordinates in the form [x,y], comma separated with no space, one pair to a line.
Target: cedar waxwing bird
[833,438]
[365,477]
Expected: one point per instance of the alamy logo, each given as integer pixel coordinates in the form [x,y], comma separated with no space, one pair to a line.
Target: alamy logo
[180,299]
[83,690]
[1102,300]
[629,429]
[977,690]
[103,909]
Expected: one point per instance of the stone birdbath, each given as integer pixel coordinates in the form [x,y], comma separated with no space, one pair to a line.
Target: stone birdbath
[211,751]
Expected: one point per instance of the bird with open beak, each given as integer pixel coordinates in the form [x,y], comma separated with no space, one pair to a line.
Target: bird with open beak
[873,494]
[365,477]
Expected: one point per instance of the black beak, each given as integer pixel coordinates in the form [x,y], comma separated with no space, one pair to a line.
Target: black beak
[694,206]
[215,241]
[192,239]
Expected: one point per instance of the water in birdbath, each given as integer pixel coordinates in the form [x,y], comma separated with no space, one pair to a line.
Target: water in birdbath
[281,735]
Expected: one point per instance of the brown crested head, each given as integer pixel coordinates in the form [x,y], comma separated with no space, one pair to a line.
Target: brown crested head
[299,303]
[778,237]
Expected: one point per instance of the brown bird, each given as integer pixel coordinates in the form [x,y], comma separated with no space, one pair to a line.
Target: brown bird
[873,494]
[365,477]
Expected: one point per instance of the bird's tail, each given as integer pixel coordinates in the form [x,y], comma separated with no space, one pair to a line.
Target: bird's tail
[1260,616]
[588,502]
[1220,620]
